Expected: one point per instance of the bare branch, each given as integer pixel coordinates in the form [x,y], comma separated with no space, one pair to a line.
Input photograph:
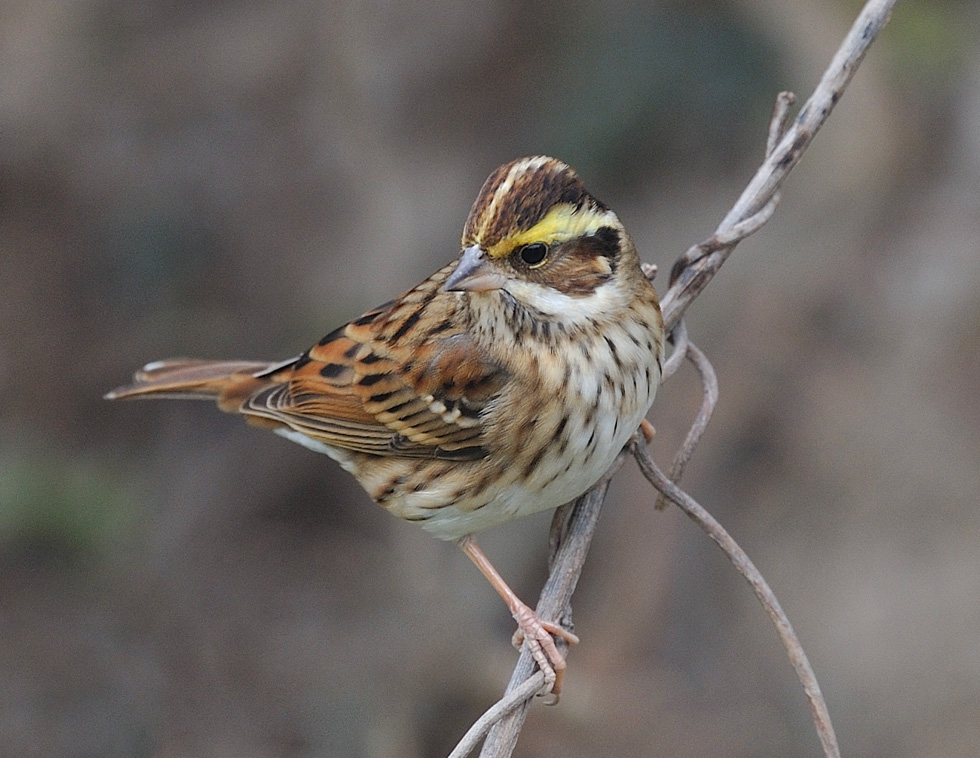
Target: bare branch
[688,282]
[711,527]
[709,384]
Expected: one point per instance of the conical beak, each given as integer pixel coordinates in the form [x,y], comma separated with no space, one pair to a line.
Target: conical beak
[474,273]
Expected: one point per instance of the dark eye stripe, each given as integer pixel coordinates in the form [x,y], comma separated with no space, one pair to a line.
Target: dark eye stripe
[608,239]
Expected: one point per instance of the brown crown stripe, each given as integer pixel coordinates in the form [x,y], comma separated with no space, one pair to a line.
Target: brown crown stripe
[518,195]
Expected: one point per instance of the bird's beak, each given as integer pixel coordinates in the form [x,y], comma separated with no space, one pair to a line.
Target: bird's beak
[474,273]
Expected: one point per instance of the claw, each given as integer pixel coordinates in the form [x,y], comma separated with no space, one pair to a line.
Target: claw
[539,635]
[555,630]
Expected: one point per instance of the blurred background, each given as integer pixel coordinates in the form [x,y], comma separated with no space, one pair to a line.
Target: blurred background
[234,179]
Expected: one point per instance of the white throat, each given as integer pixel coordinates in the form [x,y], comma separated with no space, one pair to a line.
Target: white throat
[573,311]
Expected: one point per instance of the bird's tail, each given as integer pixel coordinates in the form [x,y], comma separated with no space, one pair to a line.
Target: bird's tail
[226,382]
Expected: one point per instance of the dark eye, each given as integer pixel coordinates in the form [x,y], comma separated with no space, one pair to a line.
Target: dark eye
[534,254]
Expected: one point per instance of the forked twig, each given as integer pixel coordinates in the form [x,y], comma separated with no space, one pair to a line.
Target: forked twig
[687,282]
[511,700]
[689,276]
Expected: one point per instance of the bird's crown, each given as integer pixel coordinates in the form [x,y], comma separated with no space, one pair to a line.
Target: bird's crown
[532,200]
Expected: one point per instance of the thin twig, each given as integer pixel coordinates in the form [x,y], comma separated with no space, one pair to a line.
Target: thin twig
[818,706]
[678,355]
[696,258]
[779,119]
[709,395]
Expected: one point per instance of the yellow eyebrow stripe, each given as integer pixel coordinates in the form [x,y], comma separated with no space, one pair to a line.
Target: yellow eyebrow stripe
[560,224]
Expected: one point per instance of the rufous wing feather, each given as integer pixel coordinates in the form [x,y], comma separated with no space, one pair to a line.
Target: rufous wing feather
[374,386]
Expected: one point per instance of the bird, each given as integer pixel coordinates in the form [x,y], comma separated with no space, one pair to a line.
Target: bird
[504,384]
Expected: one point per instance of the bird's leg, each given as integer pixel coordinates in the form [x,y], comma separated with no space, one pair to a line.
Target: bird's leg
[537,633]
[646,428]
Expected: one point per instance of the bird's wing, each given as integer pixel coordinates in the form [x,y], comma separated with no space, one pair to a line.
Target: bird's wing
[404,379]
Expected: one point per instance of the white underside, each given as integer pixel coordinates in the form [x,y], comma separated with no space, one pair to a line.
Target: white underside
[308,442]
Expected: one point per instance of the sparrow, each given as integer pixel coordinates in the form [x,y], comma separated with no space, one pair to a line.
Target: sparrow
[504,384]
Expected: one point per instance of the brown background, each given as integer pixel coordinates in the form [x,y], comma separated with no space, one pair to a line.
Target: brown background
[234,179]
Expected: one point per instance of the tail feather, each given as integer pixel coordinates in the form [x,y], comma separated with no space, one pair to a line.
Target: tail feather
[228,382]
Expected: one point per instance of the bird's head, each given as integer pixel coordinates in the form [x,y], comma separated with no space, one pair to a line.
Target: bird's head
[536,233]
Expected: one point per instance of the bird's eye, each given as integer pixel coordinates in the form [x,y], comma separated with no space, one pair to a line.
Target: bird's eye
[533,254]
